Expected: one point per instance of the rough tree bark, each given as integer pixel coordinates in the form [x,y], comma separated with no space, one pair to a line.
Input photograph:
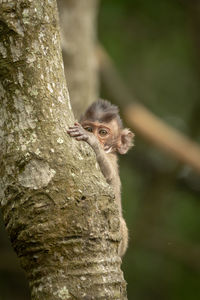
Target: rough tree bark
[58,210]
[79,51]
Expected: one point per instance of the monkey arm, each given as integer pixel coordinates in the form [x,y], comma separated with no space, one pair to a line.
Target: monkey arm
[102,159]
[108,170]
[80,134]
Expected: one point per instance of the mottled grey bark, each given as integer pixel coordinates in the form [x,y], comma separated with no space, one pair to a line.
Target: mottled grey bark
[79,53]
[57,208]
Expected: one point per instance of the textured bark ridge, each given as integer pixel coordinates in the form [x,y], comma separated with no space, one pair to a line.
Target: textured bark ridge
[58,210]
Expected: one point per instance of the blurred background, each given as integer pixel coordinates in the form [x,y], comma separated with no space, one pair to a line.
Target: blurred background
[154,47]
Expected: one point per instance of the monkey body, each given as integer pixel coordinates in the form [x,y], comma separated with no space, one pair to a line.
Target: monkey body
[116,185]
[101,128]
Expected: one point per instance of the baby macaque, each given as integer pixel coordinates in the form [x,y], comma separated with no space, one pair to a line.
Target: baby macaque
[101,127]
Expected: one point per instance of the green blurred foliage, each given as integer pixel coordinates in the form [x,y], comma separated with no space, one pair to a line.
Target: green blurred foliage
[152,44]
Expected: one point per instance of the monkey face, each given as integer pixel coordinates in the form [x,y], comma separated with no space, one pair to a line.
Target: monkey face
[107,133]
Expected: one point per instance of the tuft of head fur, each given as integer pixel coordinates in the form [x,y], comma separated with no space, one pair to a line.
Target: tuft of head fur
[102,111]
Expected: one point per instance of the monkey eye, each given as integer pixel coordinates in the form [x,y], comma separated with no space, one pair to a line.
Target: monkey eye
[88,128]
[103,132]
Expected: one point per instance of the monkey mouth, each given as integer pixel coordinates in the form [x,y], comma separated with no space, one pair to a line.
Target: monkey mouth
[107,149]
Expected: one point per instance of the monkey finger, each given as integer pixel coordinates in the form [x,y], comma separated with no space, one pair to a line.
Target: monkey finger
[72,129]
[82,138]
[69,131]
[75,134]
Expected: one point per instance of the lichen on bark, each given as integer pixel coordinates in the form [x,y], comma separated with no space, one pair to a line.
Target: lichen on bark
[58,210]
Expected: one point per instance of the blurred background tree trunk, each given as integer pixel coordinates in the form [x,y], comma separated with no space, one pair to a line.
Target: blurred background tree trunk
[78,45]
[63,226]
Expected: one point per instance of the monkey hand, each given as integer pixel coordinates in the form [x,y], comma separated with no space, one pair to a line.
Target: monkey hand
[78,132]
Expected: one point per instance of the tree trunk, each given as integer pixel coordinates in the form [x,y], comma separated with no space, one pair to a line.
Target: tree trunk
[58,210]
[79,51]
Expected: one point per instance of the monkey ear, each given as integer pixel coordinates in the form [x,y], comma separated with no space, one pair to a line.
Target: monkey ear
[126,141]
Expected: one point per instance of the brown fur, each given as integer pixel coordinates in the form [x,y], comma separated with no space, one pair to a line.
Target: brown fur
[103,115]
[103,111]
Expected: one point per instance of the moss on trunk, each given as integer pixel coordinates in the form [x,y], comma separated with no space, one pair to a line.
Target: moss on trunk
[58,210]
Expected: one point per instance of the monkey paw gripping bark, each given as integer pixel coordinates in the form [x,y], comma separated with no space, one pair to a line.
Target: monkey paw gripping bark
[101,128]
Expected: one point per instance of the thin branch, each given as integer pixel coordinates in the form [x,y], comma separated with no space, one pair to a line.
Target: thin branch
[143,121]
[163,136]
